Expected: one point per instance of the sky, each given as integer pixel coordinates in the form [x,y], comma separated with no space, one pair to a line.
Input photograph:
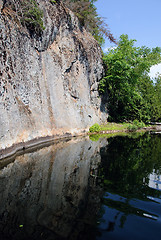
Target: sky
[139,19]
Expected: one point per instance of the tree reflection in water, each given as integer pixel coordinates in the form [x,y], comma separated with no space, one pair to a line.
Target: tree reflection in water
[130,170]
[79,189]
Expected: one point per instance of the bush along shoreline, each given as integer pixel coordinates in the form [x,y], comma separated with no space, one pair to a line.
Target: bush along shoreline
[120,127]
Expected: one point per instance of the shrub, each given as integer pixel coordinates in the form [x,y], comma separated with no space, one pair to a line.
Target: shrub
[29,13]
[139,124]
[135,125]
[32,16]
[132,127]
[95,128]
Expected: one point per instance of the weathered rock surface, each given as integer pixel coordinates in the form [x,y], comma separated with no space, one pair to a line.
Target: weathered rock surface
[1,4]
[48,85]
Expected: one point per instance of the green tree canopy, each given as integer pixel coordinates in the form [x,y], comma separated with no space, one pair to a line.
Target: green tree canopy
[131,92]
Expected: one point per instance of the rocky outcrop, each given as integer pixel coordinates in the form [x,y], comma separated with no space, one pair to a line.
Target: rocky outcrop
[1,4]
[48,83]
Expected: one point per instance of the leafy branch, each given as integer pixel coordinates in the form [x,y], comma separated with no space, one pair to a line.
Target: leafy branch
[89,18]
[29,13]
[131,92]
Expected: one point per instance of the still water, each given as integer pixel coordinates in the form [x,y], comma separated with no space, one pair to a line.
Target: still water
[83,189]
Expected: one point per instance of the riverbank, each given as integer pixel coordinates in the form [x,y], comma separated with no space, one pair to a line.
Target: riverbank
[104,130]
[120,127]
[34,144]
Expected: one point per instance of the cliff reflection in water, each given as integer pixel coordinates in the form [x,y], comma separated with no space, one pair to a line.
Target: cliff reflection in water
[50,193]
[81,189]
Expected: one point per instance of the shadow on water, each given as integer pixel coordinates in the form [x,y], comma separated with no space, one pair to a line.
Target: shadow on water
[79,189]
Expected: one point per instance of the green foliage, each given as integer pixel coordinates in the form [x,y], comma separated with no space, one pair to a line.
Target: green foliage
[86,12]
[52,1]
[139,124]
[30,14]
[95,128]
[131,159]
[156,100]
[114,127]
[135,125]
[130,90]
[95,137]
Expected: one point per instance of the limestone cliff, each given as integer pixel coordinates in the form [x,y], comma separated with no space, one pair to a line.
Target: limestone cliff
[48,84]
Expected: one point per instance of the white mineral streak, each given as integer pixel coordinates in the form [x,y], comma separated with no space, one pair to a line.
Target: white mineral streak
[48,86]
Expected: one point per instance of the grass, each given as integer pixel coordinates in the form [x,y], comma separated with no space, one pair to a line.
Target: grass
[117,127]
[114,127]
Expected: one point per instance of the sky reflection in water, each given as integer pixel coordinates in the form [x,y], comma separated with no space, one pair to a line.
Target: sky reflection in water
[79,189]
[130,171]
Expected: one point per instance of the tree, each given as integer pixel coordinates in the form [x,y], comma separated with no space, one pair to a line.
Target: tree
[86,12]
[157,105]
[130,90]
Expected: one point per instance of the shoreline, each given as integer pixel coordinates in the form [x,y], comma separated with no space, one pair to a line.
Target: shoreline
[36,143]
[31,145]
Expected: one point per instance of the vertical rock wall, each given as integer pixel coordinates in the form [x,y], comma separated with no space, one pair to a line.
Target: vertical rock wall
[48,84]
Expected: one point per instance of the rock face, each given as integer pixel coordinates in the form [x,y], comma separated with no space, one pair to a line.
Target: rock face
[48,84]
[1,4]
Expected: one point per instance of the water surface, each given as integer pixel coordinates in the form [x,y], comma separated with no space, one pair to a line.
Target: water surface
[83,189]
[130,170]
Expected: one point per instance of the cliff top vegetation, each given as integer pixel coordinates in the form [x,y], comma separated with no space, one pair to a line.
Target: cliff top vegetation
[28,13]
[31,16]
[87,14]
